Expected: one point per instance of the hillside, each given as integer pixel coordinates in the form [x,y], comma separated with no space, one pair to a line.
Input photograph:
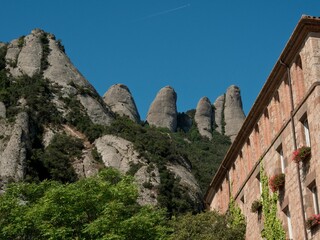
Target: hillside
[54,125]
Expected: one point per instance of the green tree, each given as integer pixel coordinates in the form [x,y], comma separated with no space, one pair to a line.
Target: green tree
[205,226]
[100,207]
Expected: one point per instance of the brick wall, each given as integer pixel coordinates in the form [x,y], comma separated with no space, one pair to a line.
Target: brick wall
[271,137]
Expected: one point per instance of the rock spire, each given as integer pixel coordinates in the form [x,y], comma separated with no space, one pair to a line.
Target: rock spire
[204,117]
[120,100]
[163,110]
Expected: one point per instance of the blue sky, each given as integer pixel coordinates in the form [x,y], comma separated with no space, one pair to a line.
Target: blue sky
[199,47]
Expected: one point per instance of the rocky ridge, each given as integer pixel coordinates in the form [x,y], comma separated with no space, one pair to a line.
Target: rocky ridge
[40,54]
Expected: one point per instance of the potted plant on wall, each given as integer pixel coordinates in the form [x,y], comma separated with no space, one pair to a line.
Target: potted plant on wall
[256,205]
[276,182]
[312,221]
[301,154]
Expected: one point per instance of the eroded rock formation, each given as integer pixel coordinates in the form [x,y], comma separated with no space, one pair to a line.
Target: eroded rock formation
[14,150]
[163,110]
[204,117]
[119,99]
[218,112]
[233,113]
[40,53]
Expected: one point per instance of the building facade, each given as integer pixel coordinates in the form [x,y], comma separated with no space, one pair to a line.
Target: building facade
[284,118]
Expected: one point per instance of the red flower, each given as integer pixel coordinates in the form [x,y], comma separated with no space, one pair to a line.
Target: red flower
[301,154]
[313,221]
[276,182]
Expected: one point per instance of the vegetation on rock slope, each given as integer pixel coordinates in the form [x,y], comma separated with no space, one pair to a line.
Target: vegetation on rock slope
[159,146]
[31,210]
[100,207]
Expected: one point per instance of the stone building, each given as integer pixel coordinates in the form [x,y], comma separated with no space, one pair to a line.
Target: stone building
[284,118]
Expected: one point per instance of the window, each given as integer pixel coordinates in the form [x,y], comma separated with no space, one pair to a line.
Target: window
[282,161]
[242,198]
[306,132]
[260,184]
[314,192]
[288,216]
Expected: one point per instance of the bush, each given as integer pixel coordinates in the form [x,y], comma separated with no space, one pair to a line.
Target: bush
[54,162]
[207,226]
[100,207]
[256,205]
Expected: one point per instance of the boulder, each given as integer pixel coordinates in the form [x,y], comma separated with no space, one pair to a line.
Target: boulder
[233,112]
[204,117]
[120,101]
[163,110]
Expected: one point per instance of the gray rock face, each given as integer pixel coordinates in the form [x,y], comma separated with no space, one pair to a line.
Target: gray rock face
[233,113]
[13,158]
[120,100]
[204,117]
[87,166]
[98,114]
[60,69]
[163,110]
[187,181]
[218,112]
[29,60]
[26,59]
[119,153]
[2,110]
[11,57]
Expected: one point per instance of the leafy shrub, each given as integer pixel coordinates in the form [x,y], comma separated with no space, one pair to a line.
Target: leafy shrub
[256,205]
[54,162]
[45,51]
[3,52]
[208,226]
[21,41]
[100,207]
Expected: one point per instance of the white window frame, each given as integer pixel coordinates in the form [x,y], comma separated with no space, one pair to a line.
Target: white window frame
[306,132]
[290,232]
[315,199]
[260,184]
[283,164]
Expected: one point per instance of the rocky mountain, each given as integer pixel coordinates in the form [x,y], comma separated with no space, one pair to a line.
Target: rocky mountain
[54,125]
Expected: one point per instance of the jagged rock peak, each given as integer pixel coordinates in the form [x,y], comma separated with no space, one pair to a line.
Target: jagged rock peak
[218,112]
[40,53]
[163,110]
[204,117]
[233,112]
[119,99]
